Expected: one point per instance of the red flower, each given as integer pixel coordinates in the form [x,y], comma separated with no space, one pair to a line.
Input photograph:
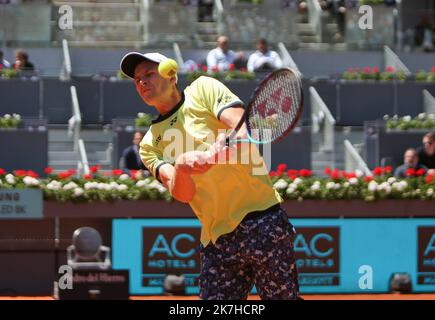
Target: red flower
[350,175]
[390,69]
[292,173]
[215,69]
[378,171]
[357,69]
[48,170]
[350,70]
[420,172]
[388,169]
[305,173]
[433,69]
[88,176]
[281,167]
[204,68]
[429,179]
[192,68]
[64,175]
[243,69]
[133,174]
[410,172]
[2,171]
[232,67]
[375,70]
[335,175]
[117,172]
[368,178]
[328,171]
[94,169]
[273,174]
[20,173]
[366,70]
[32,174]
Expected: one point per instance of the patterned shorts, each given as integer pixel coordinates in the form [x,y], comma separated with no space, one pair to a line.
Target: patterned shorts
[259,251]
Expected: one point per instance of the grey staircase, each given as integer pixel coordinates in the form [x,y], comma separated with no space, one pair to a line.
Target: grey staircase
[61,154]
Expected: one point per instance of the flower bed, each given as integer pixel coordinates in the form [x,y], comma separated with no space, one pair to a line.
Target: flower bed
[422,122]
[291,184]
[10,121]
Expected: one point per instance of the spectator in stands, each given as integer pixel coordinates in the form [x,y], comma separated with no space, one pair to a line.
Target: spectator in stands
[22,62]
[4,64]
[426,154]
[222,58]
[410,160]
[263,58]
[130,159]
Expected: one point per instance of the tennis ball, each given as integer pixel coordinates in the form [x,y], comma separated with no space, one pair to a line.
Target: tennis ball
[168,68]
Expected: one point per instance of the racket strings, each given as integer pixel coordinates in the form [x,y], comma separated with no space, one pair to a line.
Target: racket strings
[276,107]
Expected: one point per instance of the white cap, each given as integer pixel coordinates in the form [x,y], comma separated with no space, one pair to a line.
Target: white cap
[132,59]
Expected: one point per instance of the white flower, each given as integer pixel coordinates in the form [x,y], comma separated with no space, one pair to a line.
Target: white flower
[1,182]
[54,185]
[346,184]
[353,181]
[373,186]
[359,173]
[16,116]
[78,192]
[91,185]
[103,186]
[297,181]
[407,118]
[315,187]
[391,180]
[140,114]
[10,178]
[290,190]
[113,185]
[141,183]
[280,184]
[422,115]
[431,116]
[395,117]
[429,192]
[386,117]
[330,185]
[124,176]
[122,187]
[398,186]
[69,186]
[337,186]
[30,181]
[384,186]
[404,184]
[7,116]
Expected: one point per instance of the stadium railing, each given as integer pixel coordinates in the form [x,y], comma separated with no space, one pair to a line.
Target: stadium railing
[353,160]
[428,102]
[322,121]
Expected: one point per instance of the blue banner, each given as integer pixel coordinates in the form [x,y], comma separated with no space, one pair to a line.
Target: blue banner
[333,255]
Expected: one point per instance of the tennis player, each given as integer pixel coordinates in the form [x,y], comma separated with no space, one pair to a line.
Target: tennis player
[246,237]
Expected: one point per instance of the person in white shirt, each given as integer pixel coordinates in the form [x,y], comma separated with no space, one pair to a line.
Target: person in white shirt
[221,58]
[263,58]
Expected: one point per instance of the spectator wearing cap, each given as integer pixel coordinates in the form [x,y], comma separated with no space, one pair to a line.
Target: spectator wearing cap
[263,58]
[410,160]
[4,64]
[426,153]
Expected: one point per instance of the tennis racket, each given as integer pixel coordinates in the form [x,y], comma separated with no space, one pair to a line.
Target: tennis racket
[274,110]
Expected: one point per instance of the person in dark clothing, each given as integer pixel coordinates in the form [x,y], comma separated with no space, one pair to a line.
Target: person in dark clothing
[22,61]
[426,154]
[410,160]
[130,159]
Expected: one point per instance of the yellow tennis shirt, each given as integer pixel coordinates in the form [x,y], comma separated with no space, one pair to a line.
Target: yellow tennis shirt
[227,192]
